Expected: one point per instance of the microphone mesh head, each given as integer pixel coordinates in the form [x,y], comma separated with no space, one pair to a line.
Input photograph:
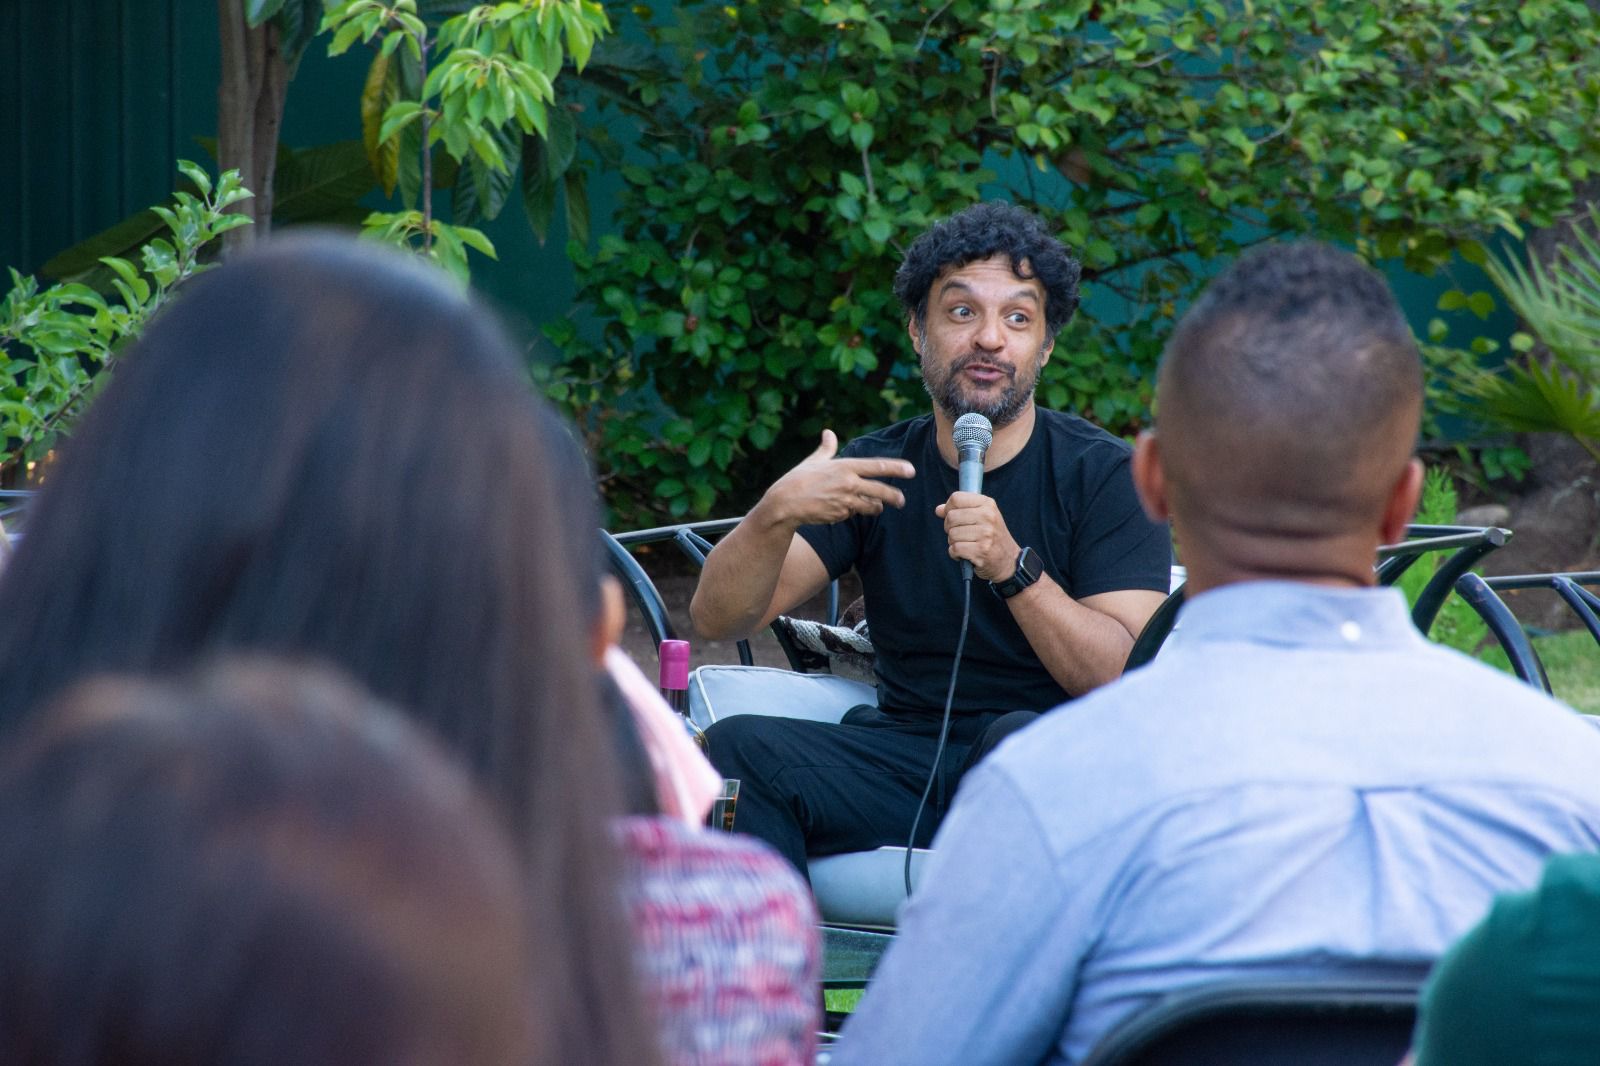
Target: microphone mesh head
[972,428]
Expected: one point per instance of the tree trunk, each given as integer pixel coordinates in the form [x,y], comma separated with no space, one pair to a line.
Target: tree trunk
[250,99]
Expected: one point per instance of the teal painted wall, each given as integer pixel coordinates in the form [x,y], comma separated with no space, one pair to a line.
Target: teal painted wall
[99,98]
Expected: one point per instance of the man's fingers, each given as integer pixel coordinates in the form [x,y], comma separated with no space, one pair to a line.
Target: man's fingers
[869,505]
[868,489]
[879,467]
[828,448]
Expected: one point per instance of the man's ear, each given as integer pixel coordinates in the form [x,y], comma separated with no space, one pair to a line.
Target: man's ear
[915,332]
[1149,479]
[1402,503]
[613,618]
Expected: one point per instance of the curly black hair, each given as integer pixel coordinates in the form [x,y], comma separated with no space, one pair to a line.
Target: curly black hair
[985,230]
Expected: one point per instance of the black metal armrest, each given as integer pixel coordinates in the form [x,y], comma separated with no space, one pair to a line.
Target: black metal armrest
[1569,586]
[696,547]
[643,591]
[1482,593]
[1471,543]
[1525,661]
[692,539]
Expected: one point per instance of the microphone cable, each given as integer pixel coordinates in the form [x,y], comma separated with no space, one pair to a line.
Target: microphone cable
[936,772]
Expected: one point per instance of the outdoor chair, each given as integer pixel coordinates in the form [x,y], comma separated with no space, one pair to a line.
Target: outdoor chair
[1329,1022]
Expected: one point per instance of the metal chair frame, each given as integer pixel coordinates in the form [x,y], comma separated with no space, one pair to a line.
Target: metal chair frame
[1483,594]
[692,539]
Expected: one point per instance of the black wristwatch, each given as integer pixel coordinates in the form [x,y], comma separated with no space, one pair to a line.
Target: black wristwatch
[1027,572]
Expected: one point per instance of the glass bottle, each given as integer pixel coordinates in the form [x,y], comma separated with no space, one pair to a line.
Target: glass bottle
[675,685]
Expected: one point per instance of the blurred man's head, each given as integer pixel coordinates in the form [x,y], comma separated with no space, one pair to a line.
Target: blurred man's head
[1287,410]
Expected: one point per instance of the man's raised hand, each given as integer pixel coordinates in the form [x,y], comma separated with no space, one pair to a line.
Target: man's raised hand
[821,489]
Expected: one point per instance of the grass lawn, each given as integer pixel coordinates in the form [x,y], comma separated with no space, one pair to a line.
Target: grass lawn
[1572,660]
[842,999]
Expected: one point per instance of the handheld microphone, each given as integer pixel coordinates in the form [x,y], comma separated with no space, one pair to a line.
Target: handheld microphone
[972,436]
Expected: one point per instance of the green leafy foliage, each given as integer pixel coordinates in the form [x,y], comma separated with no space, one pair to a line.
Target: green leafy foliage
[1560,305]
[480,82]
[1457,625]
[57,344]
[793,148]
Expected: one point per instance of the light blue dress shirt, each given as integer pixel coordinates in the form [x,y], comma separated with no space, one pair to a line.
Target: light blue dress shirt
[1299,782]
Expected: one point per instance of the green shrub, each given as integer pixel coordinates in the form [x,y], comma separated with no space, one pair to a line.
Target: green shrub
[1457,625]
[57,344]
[795,146]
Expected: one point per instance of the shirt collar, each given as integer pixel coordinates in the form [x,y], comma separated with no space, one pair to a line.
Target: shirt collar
[1298,614]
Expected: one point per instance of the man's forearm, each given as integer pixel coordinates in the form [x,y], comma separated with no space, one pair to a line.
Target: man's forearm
[1080,646]
[740,576]
[760,567]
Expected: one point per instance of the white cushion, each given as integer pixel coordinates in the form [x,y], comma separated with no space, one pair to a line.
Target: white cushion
[863,888]
[717,692]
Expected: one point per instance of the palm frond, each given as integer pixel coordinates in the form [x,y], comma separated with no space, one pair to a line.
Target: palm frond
[1560,301]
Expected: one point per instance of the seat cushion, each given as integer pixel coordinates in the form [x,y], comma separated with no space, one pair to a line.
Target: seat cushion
[863,888]
[717,692]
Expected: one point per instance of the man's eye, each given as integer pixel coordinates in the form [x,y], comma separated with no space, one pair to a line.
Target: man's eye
[1018,318]
[961,312]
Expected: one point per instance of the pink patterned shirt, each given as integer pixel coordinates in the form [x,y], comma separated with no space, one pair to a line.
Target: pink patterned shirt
[727,947]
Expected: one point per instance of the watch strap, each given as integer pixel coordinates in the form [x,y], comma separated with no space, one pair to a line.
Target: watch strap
[1027,571]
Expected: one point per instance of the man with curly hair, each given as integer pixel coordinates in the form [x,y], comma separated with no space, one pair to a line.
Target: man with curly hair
[1069,567]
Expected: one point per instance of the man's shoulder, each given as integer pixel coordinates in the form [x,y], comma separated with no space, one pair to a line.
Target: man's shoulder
[892,440]
[1181,723]
[1079,433]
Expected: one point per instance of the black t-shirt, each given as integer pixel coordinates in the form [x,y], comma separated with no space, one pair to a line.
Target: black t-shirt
[1068,495]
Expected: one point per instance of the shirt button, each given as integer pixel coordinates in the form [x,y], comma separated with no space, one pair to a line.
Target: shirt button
[1350,631]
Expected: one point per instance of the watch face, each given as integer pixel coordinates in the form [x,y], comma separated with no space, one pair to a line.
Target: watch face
[1028,568]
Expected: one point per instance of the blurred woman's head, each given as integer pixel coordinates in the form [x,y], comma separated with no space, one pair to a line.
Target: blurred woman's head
[324,449]
[258,865]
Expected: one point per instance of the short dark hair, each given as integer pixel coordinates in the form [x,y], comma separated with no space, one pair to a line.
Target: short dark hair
[1296,375]
[985,230]
[258,864]
[326,449]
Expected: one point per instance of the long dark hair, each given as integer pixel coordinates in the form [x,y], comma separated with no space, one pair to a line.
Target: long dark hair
[325,450]
[253,866]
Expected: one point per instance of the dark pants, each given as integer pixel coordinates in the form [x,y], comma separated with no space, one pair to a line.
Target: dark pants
[819,789]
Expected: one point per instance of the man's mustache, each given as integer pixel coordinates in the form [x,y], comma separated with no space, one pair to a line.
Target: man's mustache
[978,357]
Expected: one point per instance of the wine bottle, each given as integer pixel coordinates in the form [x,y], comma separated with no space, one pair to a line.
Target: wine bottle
[675,684]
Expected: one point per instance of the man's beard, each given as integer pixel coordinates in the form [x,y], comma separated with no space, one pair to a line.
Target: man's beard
[1001,409]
